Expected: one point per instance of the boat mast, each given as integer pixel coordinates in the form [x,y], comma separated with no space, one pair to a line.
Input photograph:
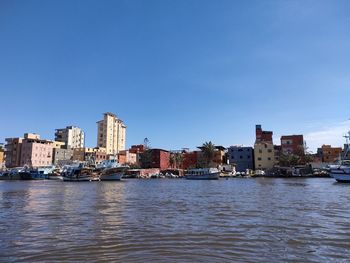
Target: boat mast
[347,145]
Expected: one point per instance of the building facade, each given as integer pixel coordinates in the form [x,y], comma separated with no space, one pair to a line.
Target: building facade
[262,136]
[329,154]
[155,158]
[62,156]
[111,134]
[72,136]
[13,149]
[264,155]
[242,157]
[92,155]
[36,152]
[2,156]
[292,144]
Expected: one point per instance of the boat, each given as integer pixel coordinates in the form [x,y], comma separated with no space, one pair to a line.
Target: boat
[111,170]
[42,173]
[341,171]
[203,174]
[78,173]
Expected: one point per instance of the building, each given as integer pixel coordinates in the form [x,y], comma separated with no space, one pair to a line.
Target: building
[242,157]
[13,149]
[219,157]
[292,144]
[93,155]
[262,136]
[155,158]
[127,157]
[137,148]
[278,152]
[111,134]
[2,156]
[72,136]
[329,154]
[264,155]
[189,160]
[36,152]
[62,156]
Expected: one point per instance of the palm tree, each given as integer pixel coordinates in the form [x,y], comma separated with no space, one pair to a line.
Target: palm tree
[179,159]
[172,160]
[208,149]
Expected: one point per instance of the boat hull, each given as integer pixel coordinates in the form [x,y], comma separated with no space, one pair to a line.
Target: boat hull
[111,177]
[340,174]
[211,176]
[80,179]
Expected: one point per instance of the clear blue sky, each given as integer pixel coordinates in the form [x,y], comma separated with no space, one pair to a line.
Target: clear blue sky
[179,72]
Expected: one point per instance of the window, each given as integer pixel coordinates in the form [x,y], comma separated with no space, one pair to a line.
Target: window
[269,150]
[241,157]
[260,151]
[269,159]
[248,157]
[259,159]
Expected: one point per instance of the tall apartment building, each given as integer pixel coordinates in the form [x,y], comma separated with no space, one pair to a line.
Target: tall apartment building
[72,136]
[264,152]
[111,133]
[292,144]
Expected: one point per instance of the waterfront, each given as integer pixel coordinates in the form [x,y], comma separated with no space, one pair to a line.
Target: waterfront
[241,220]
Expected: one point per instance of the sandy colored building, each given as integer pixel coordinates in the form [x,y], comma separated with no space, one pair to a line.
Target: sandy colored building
[264,155]
[111,134]
[2,156]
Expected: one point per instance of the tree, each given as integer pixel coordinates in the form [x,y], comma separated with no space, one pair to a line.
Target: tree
[208,149]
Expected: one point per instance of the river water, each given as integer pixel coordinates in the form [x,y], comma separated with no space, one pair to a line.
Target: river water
[235,220]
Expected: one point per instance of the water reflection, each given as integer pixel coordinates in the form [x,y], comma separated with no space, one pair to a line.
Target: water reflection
[250,220]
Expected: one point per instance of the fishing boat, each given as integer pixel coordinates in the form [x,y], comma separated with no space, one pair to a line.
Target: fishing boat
[111,170]
[341,171]
[203,174]
[78,173]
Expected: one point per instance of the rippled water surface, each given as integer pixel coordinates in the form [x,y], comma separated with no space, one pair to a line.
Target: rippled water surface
[240,220]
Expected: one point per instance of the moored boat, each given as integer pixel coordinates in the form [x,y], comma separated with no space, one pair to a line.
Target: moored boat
[203,174]
[79,174]
[111,170]
[341,172]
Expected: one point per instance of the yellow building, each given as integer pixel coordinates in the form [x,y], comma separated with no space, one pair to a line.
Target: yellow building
[264,155]
[2,157]
[111,133]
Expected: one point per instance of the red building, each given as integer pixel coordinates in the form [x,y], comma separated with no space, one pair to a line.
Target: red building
[155,158]
[262,136]
[137,148]
[292,144]
[189,160]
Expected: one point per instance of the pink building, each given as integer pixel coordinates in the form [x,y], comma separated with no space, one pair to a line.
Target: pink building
[36,152]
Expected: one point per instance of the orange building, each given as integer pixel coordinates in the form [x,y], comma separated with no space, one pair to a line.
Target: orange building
[328,153]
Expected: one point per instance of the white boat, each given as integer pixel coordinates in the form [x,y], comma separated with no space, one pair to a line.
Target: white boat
[341,172]
[111,170]
[203,174]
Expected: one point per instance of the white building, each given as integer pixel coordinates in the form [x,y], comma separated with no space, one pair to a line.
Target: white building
[111,133]
[72,136]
